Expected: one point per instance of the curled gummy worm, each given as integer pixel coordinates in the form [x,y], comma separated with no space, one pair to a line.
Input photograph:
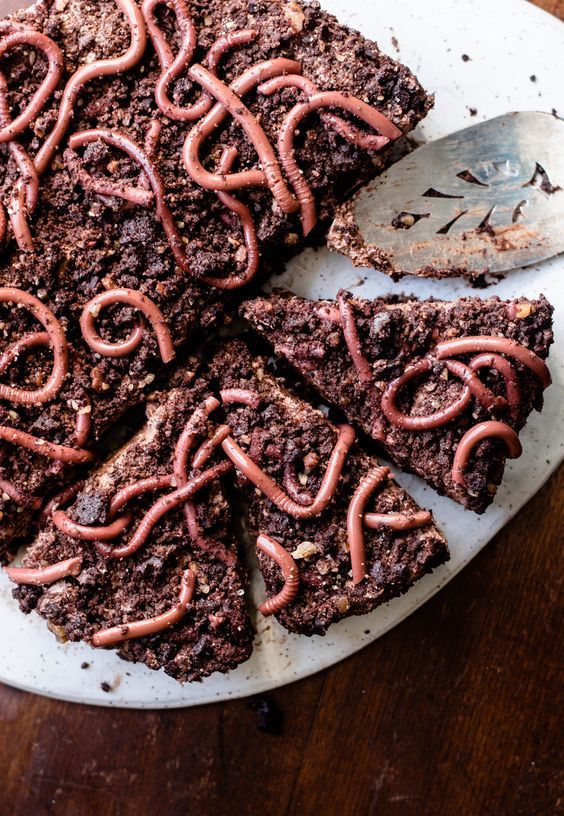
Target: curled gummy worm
[290,573]
[357,137]
[481,431]
[150,626]
[57,341]
[19,496]
[139,301]
[355,519]
[59,500]
[86,532]
[29,36]
[501,345]
[173,66]
[507,371]
[165,505]
[249,231]
[12,352]
[290,125]
[420,423]
[94,70]
[277,496]
[207,126]
[135,152]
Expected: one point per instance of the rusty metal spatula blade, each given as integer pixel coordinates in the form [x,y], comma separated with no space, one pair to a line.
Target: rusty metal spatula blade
[489,198]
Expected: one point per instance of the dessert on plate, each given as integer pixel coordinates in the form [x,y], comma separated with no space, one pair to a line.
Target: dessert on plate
[444,387]
[160,159]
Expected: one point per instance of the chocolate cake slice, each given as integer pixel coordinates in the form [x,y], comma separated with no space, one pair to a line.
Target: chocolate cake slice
[443,387]
[157,155]
[144,559]
[336,535]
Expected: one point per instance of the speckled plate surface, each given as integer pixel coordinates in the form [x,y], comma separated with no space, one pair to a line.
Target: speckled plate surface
[516,62]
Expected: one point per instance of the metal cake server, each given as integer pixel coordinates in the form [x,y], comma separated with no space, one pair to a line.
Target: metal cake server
[488,198]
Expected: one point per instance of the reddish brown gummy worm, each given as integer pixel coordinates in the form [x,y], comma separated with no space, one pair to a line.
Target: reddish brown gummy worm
[150,626]
[188,437]
[100,68]
[174,66]
[127,494]
[398,521]
[135,489]
[28,341]
[352,339]
[357,137]
[204,452]
[483,430]
[83,422]
[19,496]
[290,573]
[43,447]
[355,519]
[184,445]
[29,36]
[290,125]
[36,576]
[502,345]
[277,496]
[131,298]
[249,231]
[208,125]
[135,152]
[86,533]
[420,423]
[165,504]
[59,500]
[57,341]
[507,371]
[233,105]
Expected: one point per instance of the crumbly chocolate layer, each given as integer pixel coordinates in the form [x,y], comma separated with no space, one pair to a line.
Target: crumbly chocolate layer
[85,244]
[214,634]
[283,432]
[393,336]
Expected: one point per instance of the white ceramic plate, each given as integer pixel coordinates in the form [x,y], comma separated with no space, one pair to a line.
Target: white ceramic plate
[508,41]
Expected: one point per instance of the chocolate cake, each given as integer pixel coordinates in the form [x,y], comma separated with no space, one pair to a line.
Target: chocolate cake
[336,535]
[443,387]
[139,185]
[130,565]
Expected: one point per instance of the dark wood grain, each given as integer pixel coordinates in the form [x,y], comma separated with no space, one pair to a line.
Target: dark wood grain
[456,711]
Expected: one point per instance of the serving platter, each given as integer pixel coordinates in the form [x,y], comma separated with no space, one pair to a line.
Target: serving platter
[481,59]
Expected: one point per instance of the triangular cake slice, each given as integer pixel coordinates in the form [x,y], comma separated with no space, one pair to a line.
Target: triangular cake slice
[443,387]
[336,535]
[126,565]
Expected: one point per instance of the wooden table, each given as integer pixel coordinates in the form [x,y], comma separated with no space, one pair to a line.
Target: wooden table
[453,712]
